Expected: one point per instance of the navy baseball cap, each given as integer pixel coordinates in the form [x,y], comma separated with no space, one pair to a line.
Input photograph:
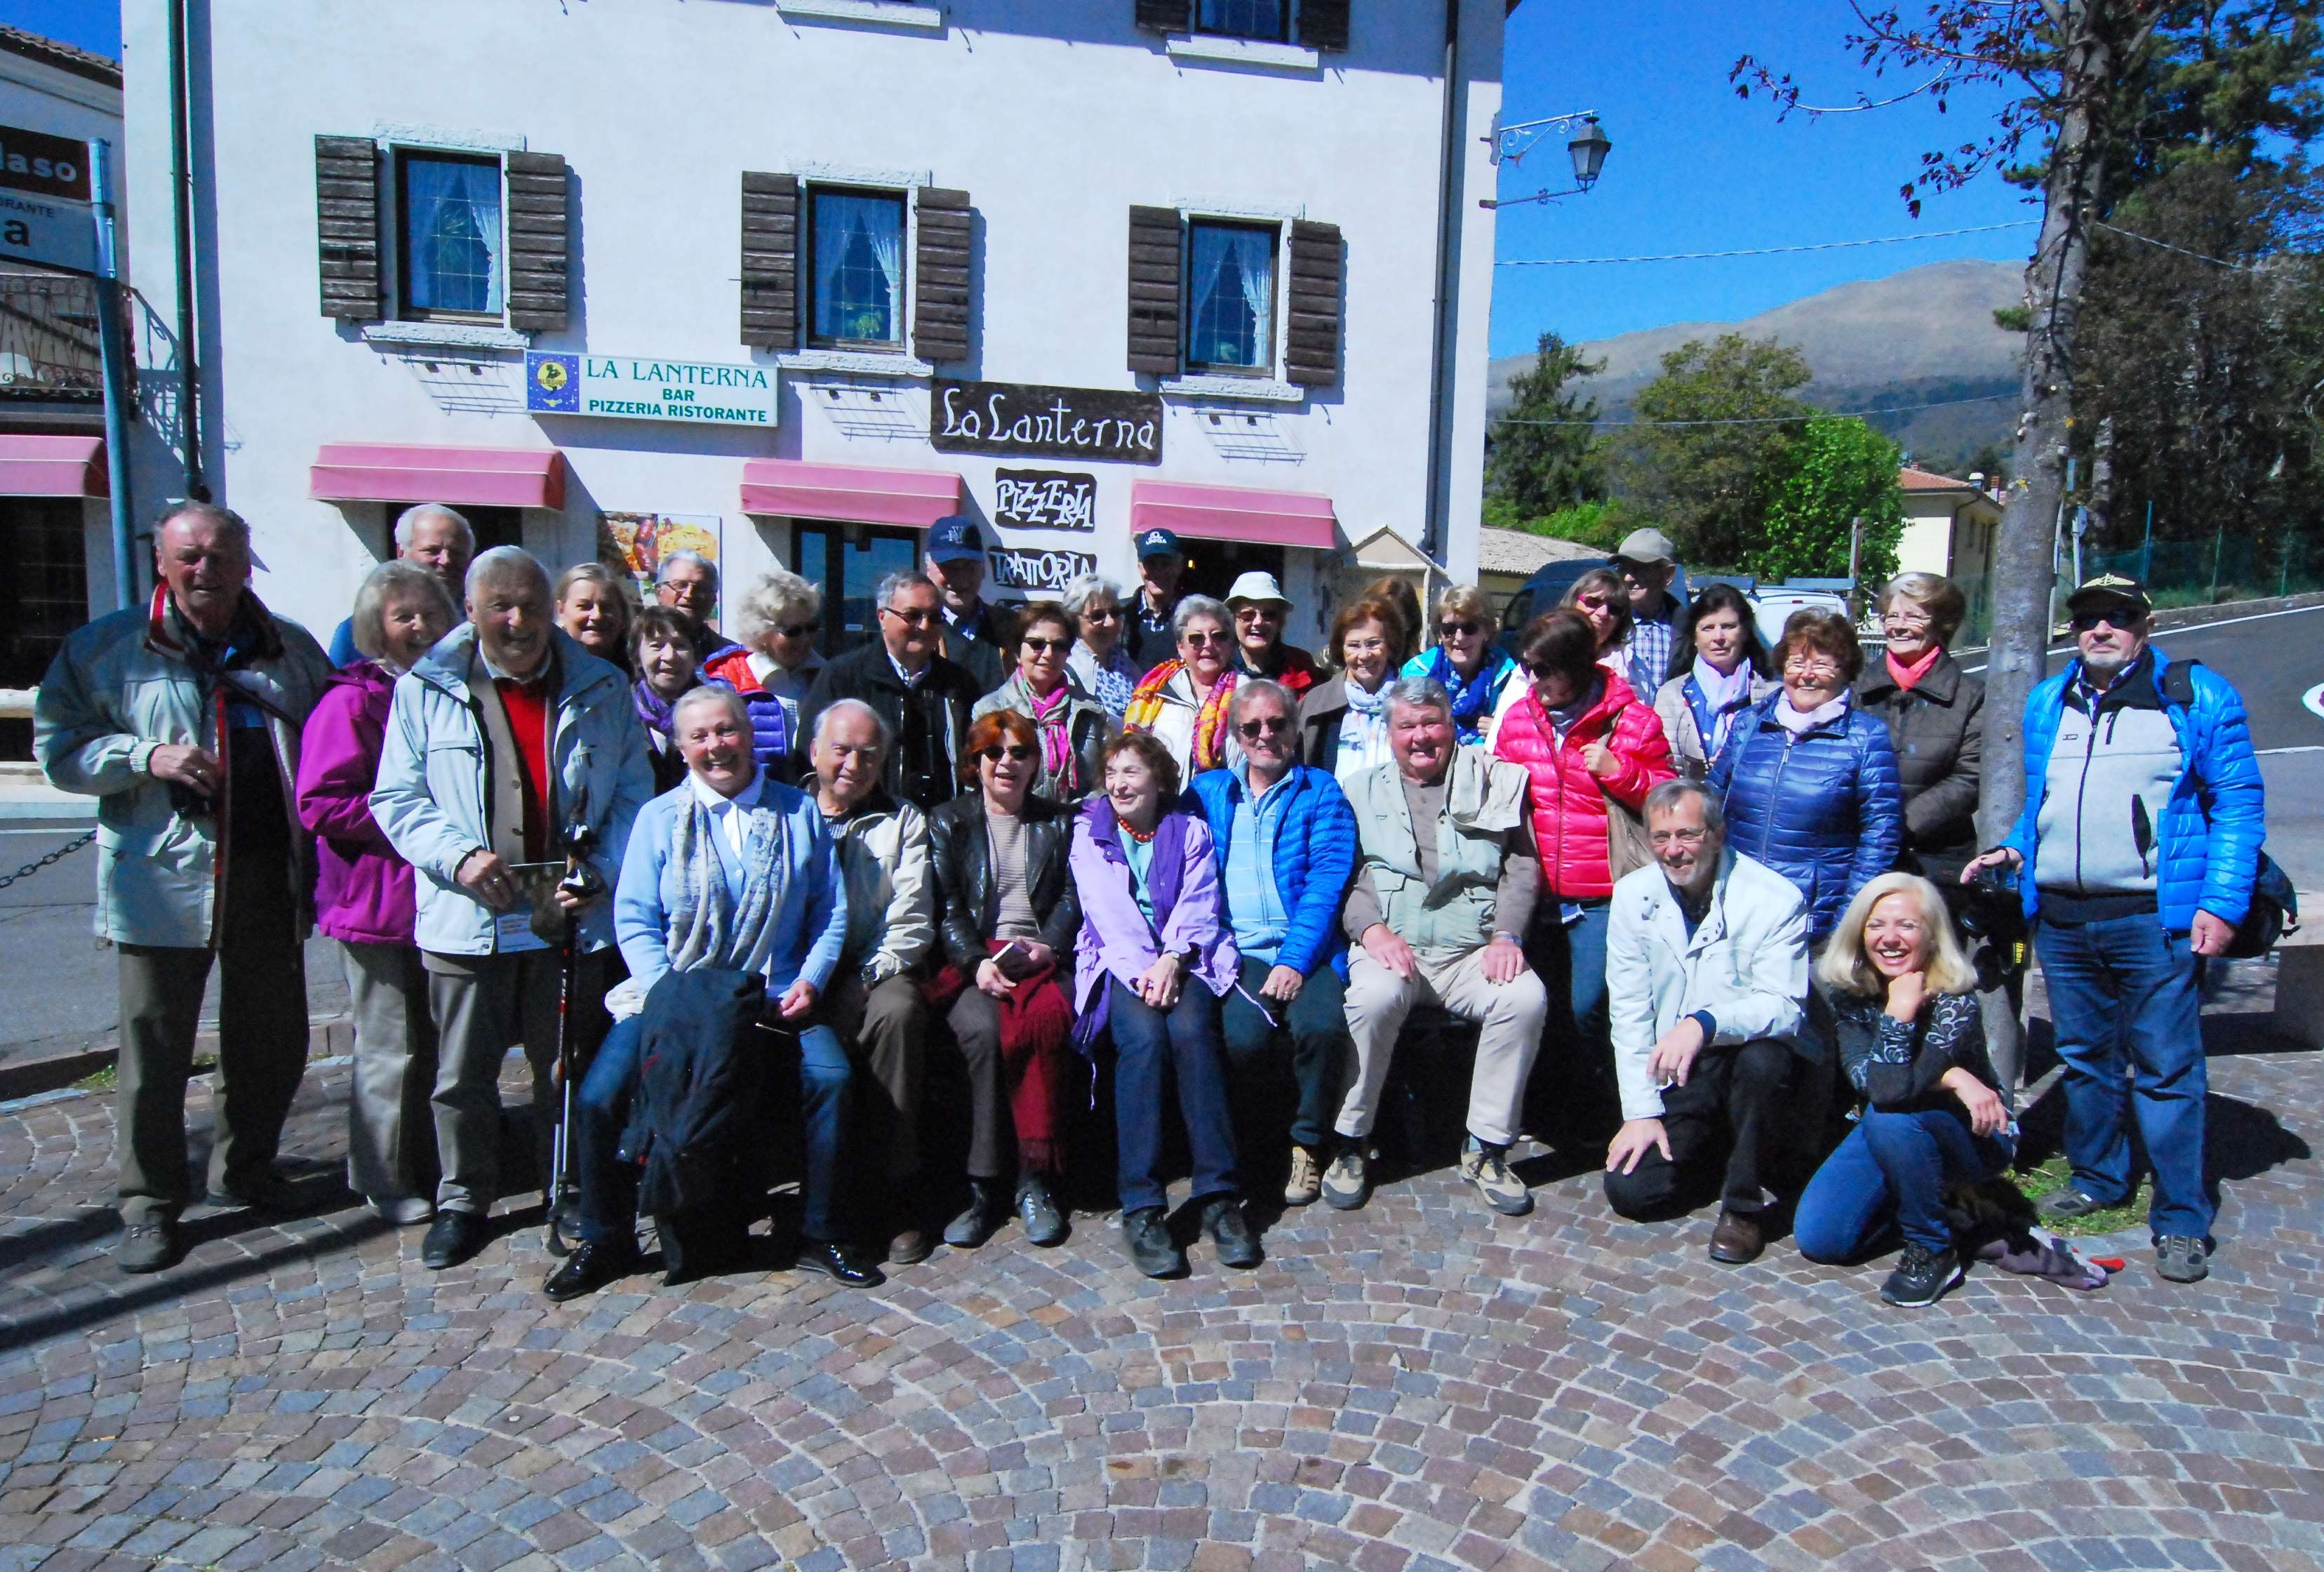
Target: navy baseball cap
[956,539]
[1156,542]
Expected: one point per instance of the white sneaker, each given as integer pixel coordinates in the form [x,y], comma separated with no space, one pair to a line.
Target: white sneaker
[1346,1183]
[1307,1181]
[1489,1170]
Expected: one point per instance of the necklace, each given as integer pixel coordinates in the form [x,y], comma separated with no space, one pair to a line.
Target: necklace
[1141,838]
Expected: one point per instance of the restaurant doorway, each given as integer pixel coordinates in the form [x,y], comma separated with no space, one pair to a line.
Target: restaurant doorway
[847,562]
[1214,566]
[44,595]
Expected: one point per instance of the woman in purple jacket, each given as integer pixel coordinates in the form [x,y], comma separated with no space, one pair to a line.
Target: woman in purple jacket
[1154,959]
[363,892]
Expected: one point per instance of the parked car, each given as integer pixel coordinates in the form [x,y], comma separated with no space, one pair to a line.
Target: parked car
[1546,589]
[1772,605]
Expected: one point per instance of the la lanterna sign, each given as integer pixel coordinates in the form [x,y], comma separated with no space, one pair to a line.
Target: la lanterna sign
[638,387]
[1018,420]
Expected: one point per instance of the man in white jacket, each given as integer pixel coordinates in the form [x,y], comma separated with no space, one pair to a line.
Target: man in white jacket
[1707,976]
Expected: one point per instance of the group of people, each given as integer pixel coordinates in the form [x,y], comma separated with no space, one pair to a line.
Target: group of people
[1141,857]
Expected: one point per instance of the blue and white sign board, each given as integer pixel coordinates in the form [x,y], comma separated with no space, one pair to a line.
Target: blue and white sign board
[641,387]
[48,232]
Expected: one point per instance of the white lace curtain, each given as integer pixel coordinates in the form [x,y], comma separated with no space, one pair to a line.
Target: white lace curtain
[452,235]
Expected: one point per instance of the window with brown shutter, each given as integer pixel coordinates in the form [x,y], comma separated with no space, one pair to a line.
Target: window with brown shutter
[1164,15]
[538,239]
[1324,23]
[346,227]
[770,248]
[940,268]
[1155,284]
[1311,337]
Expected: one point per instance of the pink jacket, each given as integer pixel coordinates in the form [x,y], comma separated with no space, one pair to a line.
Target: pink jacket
[362,889]
[1568,803]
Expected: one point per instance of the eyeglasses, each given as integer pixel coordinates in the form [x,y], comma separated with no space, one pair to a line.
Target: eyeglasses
[1102,614]
[917,619]
[1266,725]
[996,753]
[1676,838]
[799,630]
[1047,646]
[1353,647]
[1799,666]
[1457,630]
[1199,640]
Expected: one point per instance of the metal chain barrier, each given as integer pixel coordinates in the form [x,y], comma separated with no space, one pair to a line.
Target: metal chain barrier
[58,856]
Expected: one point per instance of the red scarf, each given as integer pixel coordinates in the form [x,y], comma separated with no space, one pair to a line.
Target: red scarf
[1907,677]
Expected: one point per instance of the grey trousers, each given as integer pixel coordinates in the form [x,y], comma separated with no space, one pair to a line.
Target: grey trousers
[885,1030]
[484,1004]
[261,1055]
[391,1137]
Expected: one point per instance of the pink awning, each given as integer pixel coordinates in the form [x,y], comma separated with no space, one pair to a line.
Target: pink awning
[850,493]
[41,465]
[508,477]
[1233,512]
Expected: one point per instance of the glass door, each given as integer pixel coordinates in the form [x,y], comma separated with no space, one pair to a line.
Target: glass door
[848,571]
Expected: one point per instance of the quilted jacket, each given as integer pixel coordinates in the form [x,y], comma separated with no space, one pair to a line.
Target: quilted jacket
[1824,808]
[1938,729]
[2215,821]
[1316,857]
[1568,803]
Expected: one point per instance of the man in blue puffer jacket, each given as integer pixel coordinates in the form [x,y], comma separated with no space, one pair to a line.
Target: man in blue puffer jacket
[2137,849]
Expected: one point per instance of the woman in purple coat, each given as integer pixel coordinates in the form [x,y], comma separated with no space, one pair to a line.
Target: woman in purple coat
[363,892]
[1154,959]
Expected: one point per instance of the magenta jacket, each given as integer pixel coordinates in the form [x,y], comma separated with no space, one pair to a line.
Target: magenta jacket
[362,890]
[1116,939]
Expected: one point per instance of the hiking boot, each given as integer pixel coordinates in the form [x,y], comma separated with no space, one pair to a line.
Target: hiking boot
[148,1246]
[1736,1239]
[1044,1224]
[1229,1233]
[1922,1277]
[1151,1249]
[984,1214]
[1487,1167]
[2182,1258]
[1307,1181]
[1348,1182]
[2066,1204]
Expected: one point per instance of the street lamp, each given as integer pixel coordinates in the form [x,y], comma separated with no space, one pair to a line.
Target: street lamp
[1588,148]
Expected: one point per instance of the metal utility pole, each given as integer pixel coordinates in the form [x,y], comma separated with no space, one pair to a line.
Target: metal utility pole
[181,203]
[1855,567]
[114,359]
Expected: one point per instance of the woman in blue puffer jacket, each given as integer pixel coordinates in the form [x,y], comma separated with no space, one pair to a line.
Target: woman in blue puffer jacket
[1808,780]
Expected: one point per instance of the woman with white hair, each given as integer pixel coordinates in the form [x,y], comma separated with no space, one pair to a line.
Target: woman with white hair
[363,896]
[774,666]
[1187,701]
[1100,659]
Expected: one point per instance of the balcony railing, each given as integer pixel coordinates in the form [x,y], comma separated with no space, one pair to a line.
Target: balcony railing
[48,337]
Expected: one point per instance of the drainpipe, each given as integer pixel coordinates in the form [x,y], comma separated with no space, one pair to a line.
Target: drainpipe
[1448,219]
[181,205]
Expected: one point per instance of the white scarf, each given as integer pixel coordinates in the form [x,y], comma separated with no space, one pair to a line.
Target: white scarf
[1798,722]
[1363,731]
[1718,692]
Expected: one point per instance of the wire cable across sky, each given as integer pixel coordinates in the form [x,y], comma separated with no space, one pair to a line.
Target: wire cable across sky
[1759,251]
[1768,419]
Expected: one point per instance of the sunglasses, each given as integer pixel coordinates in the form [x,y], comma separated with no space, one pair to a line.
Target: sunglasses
[1590,602]
[1199,640]
[1047,646]
[1103,614]
[996,753]
[1457,630]
[799,630]
[1266,725]
[2083,622]
[917,619]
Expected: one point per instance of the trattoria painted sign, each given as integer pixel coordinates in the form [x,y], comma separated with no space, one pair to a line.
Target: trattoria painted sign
[1029,568]
[1044,499]
[641,387]
[1020,420]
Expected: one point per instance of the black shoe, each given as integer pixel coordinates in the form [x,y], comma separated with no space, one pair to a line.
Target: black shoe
[1922,1277]
[1044,1224]
[452,1238]
[975,1225]
[1151,1248]
[836,1261]
[148,1246]
[589,1267]
[1229,1233]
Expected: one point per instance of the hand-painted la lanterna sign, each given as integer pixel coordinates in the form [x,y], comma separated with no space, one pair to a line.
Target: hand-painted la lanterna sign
[1020,420]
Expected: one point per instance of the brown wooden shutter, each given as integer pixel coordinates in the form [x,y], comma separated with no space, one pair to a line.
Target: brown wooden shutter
[539,236]
[1154,286]
[346,227]
[770,251]
[1312,348]
[940,264]
[1165,16]
[1324,23]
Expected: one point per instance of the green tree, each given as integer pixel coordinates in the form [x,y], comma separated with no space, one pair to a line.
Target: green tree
[1841,470]
[1542,454]
[1714,441]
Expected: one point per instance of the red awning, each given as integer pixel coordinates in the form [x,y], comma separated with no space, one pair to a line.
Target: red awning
[1232,512]
[508,477]
[850,493]
[39,465]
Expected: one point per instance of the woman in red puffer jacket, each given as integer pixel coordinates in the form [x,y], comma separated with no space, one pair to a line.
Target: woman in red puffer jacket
[1583,735]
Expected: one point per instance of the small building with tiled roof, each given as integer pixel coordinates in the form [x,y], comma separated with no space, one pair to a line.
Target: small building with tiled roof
[1949,525]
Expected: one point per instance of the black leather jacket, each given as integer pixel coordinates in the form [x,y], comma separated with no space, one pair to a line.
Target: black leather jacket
[967,898]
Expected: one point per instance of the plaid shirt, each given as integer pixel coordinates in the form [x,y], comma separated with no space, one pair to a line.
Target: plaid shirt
[1648,647]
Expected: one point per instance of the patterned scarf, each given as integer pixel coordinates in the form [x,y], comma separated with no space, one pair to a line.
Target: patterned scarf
[652,708]
[1053,716]
[1146,703]
[1111,681]
[707,926]
[1363,731]
[1472,697]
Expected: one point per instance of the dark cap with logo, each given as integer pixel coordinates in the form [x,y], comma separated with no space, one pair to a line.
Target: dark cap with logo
[956,539]
[1158,543]
[2111,591]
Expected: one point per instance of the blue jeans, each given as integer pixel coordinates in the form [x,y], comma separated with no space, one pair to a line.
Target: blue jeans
[2126,988]
[1152,1046]
[1315,1025]
[601,1109]
[1893,1165]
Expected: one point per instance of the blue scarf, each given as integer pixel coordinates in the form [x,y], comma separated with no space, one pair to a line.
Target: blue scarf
[1473,701]
[1167,869]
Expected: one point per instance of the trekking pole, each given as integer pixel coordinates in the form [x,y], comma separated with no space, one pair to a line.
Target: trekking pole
[581,880]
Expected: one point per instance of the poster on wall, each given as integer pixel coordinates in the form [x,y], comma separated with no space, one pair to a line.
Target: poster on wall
[1044,499]
[636,543]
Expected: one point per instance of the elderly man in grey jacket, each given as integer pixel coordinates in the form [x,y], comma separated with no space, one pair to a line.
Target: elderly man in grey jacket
[874,1002]
[1706,979]
[182,716]
[501,740]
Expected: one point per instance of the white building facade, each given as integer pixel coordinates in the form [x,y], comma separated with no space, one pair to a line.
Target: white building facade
[791,279]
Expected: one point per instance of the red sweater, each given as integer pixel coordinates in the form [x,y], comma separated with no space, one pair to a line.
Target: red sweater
[527,704]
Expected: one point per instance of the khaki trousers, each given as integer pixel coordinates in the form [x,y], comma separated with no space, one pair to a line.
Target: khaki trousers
[885,1030]
[1509,1014]
[483,1005]
[391,1135]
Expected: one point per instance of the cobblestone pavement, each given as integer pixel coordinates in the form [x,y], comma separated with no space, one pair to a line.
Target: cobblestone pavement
[1417,1385]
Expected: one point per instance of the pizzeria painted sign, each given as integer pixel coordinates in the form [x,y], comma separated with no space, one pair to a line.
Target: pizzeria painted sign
[1044,499]
[1022,420]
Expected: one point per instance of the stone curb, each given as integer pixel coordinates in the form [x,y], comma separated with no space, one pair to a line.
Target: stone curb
[332,1035]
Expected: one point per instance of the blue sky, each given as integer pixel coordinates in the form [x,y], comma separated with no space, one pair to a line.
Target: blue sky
[1694,167]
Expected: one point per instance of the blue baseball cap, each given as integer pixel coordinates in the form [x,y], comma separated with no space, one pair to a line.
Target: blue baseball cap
[955,538]
[1158,543]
